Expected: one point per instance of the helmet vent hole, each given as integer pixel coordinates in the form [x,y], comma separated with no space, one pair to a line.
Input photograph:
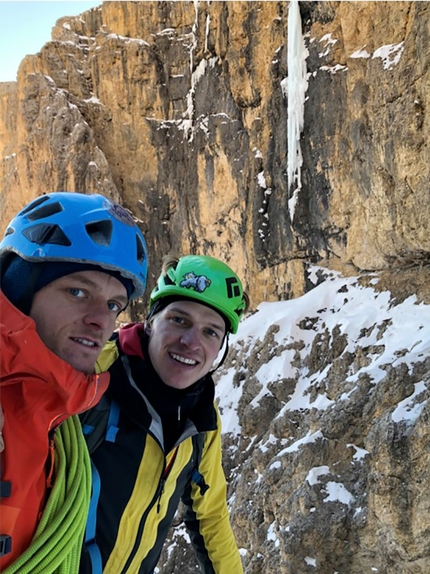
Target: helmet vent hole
[43,233]
[34,204]
[140,248]
[168,280]
[100,232]
[45,211]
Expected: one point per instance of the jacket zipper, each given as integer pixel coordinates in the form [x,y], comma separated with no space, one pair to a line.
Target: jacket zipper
[164,476]
[156,499]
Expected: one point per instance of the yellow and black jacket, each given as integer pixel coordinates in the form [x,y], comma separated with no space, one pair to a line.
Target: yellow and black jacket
[152,446]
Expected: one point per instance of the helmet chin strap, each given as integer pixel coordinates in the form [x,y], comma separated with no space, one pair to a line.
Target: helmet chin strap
[223,358]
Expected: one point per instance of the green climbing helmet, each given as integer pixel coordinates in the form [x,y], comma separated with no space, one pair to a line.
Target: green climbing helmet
[205,280]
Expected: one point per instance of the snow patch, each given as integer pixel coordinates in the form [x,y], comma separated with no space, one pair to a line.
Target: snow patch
[389,54]
[362,53]
[336,492]
[410,408]
[314,474]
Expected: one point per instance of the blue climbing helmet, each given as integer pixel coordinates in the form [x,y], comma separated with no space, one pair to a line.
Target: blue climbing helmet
[79,228]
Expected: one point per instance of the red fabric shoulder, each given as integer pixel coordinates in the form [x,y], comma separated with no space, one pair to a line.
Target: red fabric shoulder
[130,339]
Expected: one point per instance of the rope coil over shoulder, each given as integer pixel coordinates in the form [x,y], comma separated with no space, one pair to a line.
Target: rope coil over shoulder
[56,546]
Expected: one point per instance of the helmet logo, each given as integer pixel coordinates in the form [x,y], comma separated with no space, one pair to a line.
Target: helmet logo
[197,282]
[233,289]
[119,213]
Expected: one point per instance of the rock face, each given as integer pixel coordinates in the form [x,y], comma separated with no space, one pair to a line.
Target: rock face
[328,474]
[325,403]
[179,111]
[177,108]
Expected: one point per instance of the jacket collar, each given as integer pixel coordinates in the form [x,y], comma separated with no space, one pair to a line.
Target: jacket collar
[130,339]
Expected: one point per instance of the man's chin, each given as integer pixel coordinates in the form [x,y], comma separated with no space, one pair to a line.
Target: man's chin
[86,367]
[180,384]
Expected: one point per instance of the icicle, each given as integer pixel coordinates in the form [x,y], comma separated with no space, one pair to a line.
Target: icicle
[188,121]
[297,86]
[194,34]
[208,23]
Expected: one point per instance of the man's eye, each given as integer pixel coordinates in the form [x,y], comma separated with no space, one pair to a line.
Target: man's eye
[115,307]
[179,320]
[76,292]
[212,333]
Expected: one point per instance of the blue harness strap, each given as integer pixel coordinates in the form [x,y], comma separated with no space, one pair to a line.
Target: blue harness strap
[112,426]
[90,531]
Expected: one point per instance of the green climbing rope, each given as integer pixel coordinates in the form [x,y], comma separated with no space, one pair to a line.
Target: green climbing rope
[56,546]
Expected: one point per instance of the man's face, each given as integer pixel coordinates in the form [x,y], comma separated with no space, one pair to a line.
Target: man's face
[184,340]
[75,315]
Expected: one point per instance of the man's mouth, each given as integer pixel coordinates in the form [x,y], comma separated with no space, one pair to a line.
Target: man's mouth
[85,342]
[183,360]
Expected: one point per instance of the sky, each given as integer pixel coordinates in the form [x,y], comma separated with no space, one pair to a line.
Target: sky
[25,26]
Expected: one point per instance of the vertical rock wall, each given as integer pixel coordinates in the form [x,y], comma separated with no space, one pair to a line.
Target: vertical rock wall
[177,109]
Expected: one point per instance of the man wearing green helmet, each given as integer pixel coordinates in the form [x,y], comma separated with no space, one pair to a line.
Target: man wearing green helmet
[155,439]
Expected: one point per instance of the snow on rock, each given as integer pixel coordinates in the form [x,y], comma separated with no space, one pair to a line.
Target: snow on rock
[323,395]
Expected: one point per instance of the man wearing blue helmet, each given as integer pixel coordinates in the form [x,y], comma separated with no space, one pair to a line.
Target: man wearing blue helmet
[70,263]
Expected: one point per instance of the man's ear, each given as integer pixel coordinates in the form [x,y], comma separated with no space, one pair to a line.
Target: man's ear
[147,327]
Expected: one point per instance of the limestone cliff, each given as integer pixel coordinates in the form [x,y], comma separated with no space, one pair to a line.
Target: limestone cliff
[179,110]
[177,107]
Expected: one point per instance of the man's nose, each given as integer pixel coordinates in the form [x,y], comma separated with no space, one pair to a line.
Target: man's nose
[98,315]
[191,338]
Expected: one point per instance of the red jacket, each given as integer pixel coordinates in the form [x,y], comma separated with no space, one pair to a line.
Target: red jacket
[38,391]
